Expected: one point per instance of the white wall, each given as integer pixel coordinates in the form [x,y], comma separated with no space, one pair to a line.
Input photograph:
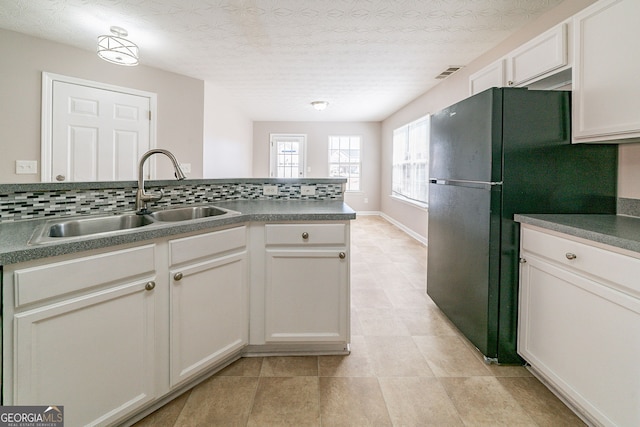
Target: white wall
[24,58]
[318,154]
[228,136]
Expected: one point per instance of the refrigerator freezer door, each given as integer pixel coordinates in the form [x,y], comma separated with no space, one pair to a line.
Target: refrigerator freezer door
[466,140]
[463,261]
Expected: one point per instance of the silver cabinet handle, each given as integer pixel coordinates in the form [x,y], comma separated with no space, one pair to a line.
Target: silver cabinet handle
[60,178]
[305,235]
[177,276]
[570,255]
[342,255]
[150,285]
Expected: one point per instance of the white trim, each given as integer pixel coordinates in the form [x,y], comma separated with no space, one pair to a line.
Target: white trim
[414,203]
[273,155]
[47,115]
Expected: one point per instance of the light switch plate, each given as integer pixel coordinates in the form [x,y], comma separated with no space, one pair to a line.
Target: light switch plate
[270,190]
[26,167]
[308,190]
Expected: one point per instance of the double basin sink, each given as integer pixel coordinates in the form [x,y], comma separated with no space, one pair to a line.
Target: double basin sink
[55,230]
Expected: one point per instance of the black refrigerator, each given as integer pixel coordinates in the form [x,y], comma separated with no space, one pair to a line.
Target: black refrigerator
[495,154]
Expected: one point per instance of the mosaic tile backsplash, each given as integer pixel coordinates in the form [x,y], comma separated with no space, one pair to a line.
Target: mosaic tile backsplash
[24,203]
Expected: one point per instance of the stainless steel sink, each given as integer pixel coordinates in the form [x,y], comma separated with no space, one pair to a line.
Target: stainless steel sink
[56,230]
[94,225]
[187,213]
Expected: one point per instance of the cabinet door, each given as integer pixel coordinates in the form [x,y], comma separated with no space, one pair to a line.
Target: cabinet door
[306,296]
[582,337]
[606,93]
[538,57]
[209,314]
[93,354]
[491,76]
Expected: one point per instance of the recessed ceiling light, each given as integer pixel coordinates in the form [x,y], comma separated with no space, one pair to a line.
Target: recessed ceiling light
[319,105]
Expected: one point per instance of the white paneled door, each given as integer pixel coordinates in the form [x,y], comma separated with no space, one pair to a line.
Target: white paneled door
[287,156]
[96,134]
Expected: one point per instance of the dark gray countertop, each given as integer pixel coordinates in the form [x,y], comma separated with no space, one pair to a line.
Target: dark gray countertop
[15,236]
[614,230]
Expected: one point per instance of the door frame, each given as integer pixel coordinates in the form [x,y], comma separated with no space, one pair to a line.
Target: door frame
[46,139]
[273,154]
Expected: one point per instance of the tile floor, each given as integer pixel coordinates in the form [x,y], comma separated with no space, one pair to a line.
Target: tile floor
[408,367]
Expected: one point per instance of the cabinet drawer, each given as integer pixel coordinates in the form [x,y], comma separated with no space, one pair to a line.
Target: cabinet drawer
[305,234]
[50,280]
[206,245]
[620,270]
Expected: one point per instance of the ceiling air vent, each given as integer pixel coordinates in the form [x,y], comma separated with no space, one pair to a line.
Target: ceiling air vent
[446,73]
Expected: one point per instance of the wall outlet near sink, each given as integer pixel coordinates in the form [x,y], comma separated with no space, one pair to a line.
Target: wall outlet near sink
[270,190]
[308,190]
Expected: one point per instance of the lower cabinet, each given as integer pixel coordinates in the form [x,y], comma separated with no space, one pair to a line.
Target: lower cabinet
[579,324]
[307,283]
[208,299]
[90,346]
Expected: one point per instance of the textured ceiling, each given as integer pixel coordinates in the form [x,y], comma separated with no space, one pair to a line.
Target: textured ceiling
[367,58]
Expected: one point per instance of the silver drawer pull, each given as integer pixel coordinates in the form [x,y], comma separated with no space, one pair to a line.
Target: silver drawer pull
[177,276]
[570,255]
[150,285]
[342,255]
[305,235]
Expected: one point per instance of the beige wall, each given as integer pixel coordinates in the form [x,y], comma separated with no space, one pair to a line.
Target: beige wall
[317,154]
[24,58]
[228,136]
[456,88]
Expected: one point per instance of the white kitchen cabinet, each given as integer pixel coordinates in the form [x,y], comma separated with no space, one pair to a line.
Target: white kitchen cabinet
[209,301]
[83,332]
[493,75]
[579,323]
[307,283]
[539,57]
[606,93]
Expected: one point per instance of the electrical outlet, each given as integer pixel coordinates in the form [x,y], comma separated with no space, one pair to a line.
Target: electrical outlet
[308,190]
[270,190]
[26,166]
[366,200]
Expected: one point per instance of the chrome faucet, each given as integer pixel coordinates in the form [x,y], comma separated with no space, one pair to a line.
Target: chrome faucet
[141,197]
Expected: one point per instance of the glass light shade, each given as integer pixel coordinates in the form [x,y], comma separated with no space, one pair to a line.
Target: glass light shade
[117,50]
[319,105]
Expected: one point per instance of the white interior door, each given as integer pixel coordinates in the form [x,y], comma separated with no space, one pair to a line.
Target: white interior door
[96,133]
[287,157]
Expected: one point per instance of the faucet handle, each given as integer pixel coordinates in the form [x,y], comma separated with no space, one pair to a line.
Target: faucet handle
[148,197]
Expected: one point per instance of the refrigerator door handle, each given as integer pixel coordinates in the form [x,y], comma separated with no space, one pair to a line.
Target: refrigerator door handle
[462,183]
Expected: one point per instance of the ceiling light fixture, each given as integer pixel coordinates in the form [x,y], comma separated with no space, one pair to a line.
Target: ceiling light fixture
[116,49]
[319,105]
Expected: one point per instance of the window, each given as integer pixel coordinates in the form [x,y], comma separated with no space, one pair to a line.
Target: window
[344,160]
[287,157]
[411,161]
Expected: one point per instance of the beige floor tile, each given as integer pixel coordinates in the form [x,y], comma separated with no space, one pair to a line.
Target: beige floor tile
[370,298]
[356,326]
[291,401]
[449,357]
[289,366]
[243,367]
[408,299]
[357,364]
[414,401]
[219,401]
[425,322]
[509,371]
[483,401]
[167,415]
[381,321]
[541,405]
[352,402]
[396,357]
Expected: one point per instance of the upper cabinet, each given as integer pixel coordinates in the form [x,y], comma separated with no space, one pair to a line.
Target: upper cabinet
[546,55]
[493,75]
[539,57]
[606,97]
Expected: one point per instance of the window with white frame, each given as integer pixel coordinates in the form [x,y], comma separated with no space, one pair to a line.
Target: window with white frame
[345,160]
[287,155]
[411,161]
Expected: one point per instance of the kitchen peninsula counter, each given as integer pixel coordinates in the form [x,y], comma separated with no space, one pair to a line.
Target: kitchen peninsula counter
[613,230]
[15,236]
